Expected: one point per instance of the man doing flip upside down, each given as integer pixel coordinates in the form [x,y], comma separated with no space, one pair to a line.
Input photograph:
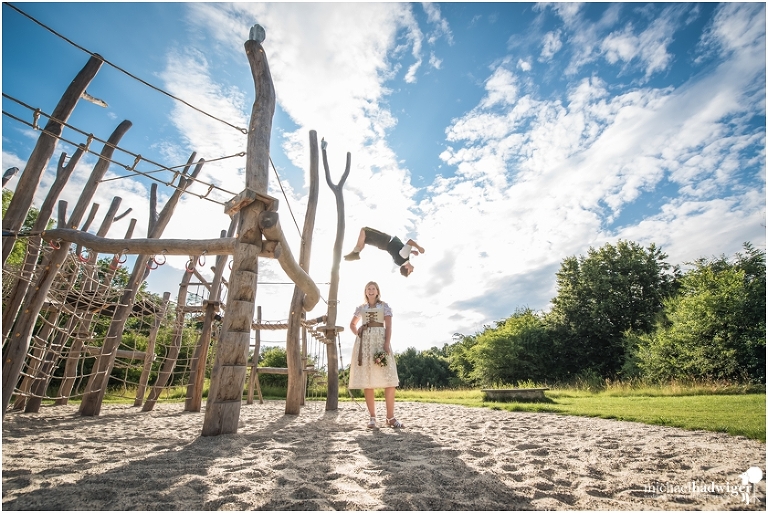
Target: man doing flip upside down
[400,253]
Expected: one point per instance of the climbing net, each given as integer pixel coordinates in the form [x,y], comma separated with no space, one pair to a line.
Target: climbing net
[155,351]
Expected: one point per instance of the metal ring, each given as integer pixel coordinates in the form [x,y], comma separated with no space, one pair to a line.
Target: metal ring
[154,259]
[190,266]
[150,263]
[56,244]
[201,264]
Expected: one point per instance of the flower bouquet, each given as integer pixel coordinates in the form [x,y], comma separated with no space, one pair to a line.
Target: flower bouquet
[380,358]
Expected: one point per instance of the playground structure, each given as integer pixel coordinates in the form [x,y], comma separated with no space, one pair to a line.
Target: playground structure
[65,311]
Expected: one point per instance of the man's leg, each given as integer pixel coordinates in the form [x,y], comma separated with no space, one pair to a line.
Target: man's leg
[355,254]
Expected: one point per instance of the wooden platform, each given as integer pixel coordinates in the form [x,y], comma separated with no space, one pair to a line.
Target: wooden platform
[512,394]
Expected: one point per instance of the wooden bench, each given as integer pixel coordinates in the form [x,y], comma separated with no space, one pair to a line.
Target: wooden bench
[511,394]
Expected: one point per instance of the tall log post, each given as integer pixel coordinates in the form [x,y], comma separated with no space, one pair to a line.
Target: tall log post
[222,411]
[97,383]
[22,332]
[253,380]
[194,397]
[9,173]
[169,363]
[294,356]
[19,290]
[149,356]
[29,181]
[332,400]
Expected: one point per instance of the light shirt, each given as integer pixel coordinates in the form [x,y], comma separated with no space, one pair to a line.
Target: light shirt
[405,251]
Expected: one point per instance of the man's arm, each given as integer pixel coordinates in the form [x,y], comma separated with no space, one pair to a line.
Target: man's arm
[415,244]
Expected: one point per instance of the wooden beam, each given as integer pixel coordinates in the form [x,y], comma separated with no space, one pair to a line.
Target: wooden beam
[269,222]
[29,181]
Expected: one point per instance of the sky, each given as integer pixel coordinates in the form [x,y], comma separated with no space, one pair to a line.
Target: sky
[503,137]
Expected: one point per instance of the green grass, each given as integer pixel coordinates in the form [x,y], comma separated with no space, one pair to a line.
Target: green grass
[688,408]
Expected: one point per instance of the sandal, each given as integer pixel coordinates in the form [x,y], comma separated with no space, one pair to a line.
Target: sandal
[394,423]
[372,423]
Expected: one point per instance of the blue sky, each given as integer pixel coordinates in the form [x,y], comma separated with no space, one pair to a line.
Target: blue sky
[504,137]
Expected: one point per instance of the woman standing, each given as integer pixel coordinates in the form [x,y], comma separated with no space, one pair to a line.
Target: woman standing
[373,363]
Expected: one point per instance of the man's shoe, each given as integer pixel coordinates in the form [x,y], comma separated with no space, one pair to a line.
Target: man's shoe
[355,255]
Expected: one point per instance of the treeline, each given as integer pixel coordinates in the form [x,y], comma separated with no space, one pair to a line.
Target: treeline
[621,312]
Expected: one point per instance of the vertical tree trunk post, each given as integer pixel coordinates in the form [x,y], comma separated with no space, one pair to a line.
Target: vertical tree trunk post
[97,384]
[194,398]
[222,411]
[169,363]
[150,352]
[22,332]
[9,173]
[295,359]
[254,378]
[331,330]
[29,181]
[19,290]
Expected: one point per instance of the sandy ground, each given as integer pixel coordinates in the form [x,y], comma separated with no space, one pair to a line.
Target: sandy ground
[447,458]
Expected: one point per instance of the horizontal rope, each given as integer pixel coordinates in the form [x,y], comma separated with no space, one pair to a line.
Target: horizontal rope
[138,158]
[105,61]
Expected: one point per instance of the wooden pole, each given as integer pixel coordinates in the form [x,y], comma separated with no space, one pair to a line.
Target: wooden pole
[194,397]
[150,352]
[97,383]
[19,290]
[331,330]
[9,173]
[169,363]
[295,359]
[29,181]
[222,411]
[254,378]
[22,332]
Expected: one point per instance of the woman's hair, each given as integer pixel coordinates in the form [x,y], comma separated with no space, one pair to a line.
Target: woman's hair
[378,291]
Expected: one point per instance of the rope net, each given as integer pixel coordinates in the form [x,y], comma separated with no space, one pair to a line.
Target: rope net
[157,346]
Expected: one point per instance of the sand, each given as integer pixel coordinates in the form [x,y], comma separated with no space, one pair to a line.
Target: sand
[447,458]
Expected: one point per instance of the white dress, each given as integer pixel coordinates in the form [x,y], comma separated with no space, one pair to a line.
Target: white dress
[370,375]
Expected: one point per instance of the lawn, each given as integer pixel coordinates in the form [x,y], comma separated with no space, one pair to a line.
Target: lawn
[735,414]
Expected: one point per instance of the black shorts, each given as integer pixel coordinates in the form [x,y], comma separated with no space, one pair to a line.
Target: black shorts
[376,238]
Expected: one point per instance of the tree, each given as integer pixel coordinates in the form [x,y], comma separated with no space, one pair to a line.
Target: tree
[600,297]
[518,349]
[458,358]
[273,357]
[715,326]
[423,369]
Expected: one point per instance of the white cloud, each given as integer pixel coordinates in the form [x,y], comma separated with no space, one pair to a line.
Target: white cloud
[501,87]
[538,179]
[550,46]
[649,46]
